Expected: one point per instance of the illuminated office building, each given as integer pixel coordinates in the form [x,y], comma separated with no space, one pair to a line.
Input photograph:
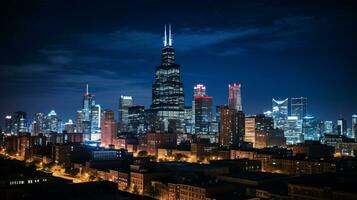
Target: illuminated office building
[199,90]
[310,128]
[79,121]
[95,118]
[8,124]
[298,107]
[203,114]
[136,119]
[109,128]
[342,126]
[293,130]
[38,123]
[167,89]
[232,127]
[280,113]
[124,103]
[188,122]
[69,126]
[18,122]
[52,122]
[234,97]
[88,103]
[328,127]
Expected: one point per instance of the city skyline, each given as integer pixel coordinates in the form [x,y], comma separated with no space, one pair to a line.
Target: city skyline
[56,71]
[178,100]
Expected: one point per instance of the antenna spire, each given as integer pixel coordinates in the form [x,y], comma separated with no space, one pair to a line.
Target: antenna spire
[87,89]
[170,36]
[165,37]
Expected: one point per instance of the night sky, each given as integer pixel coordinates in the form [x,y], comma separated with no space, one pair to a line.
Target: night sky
[49,50]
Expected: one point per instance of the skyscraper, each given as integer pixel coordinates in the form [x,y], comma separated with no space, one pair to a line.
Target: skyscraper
[232,127]
[199,90]
[95,118]
[88,102]
[79,121]
[328,127]
[203,114]
[69,126]
[52,122]
[188,124]
[136,119]
[354,126]
[19,122]
[234,97]
[167,89]
[280,113]
[38,123]
[124,103]
[8,124]
[293,130]
[109,128]
[259,130]
[310,128]
[298,107]
[342,126]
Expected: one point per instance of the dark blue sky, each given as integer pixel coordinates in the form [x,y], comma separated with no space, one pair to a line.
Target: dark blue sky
[49,50]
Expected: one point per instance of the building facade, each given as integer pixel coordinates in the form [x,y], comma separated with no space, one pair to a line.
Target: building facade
[232,127]
[109,128]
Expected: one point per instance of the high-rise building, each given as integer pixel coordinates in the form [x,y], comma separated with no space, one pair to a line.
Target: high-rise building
[280,113]
[52,122]
[342,126]
[203,114]
[8,124]
[124,103]
[265,134]
[249,134]
[95,118]
[310,128]
[199,90]
[38,123]
[88,103]
[354,126]
[298,107]
[79,121]
[167,89]
[69,126]
[234,97]
[293,130]
[136,119]
[19,122]
[259,130]
[328,127]
[232,127]
[188,122]
[109,128]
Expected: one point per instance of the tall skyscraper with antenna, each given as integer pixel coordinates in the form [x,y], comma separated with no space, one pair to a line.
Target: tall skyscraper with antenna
[167,89]
[88,102]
